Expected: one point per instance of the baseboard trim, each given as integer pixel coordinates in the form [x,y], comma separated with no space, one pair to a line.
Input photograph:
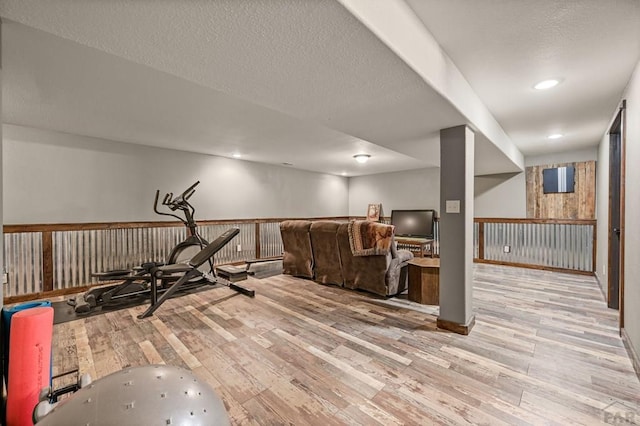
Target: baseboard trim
[604,295]
[531,266]
[464,329]
[635,359]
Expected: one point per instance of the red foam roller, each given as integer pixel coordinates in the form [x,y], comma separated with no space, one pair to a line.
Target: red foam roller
[29,362]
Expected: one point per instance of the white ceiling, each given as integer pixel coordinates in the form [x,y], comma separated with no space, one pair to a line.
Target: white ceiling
[305,82]
[57,84]
[504,47]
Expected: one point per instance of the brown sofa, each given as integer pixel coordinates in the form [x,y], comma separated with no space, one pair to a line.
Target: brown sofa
[321,251]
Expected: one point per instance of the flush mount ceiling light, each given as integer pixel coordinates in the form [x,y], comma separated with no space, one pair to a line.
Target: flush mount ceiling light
[546,84]
[236,155]
[555,136]
[362,158]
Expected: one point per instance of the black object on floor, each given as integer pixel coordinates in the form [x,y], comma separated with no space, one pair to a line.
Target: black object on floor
[63,312]
[266,269]
[232,273]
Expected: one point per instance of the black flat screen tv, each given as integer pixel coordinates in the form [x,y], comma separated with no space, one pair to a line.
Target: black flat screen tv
[413,223]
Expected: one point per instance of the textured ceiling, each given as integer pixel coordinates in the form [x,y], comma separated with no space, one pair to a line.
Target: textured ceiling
[56,84]
[304,81]
[311,59]
[504,47]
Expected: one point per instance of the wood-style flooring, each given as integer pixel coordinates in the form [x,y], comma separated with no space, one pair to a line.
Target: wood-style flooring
[545,350]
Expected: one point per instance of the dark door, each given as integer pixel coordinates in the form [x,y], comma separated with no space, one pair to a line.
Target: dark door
[615,157]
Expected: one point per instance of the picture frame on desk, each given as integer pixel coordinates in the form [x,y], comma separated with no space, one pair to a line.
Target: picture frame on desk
[373,212]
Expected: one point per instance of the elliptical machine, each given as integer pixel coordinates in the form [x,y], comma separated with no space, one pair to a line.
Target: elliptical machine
[194,241]
[139,282]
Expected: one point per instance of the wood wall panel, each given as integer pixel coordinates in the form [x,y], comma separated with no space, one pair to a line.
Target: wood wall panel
[580,204]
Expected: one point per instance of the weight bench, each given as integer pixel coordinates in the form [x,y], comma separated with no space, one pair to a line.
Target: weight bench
[189,271]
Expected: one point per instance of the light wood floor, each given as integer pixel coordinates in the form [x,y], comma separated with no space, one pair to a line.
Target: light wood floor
[545,350]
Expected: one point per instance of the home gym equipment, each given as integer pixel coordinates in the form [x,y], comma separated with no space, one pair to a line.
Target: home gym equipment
[240,273]
[190,270]
[148,395]
[49,397]
[232,273]
[149,280]
[29,362]
[194,242]
[131,287]
[7,314]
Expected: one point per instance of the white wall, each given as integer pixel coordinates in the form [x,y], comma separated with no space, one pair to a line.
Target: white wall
[632,212]
[501,195]
[495,195]
[505,194]
[413,189]
[632,207]
[52,177]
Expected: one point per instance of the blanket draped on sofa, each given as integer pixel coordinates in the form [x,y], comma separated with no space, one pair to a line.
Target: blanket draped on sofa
[370,238]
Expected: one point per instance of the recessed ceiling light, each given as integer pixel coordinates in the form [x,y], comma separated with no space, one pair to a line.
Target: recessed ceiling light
[343,173]
[555,136]
[546,84]
[362,158]
[236,155]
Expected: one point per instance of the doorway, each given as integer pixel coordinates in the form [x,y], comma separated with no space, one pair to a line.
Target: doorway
[615,286]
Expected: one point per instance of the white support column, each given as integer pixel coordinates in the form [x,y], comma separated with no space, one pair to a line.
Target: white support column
[456,229]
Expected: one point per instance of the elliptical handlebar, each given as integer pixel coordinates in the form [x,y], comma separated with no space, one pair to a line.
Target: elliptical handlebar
[178,203]
[189,191]
[181,199]
[164,203]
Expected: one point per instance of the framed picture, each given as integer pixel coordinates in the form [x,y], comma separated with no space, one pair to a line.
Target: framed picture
[373,212]
[558,179]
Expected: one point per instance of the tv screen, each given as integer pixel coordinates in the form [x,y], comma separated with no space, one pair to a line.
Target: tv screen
[413,223]
[559,179]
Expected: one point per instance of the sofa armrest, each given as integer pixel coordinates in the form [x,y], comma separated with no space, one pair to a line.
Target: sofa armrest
[404,255]
[396,275]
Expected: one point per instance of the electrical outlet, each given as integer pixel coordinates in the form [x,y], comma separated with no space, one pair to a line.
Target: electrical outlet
[239,247]
[507,249]
[5,278]
[604,269]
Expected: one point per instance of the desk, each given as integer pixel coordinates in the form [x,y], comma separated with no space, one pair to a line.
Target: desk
[419,246]
[424,280]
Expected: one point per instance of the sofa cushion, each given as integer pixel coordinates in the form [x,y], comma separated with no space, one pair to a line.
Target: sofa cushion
[327,267]
[361,272]
[297,258]
[346,257]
